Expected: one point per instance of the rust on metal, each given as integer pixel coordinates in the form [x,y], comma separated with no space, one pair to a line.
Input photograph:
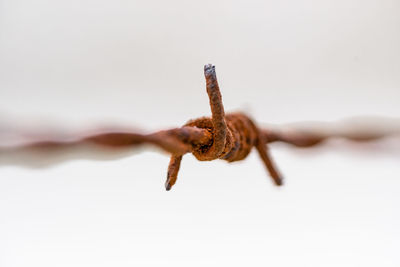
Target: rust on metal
[229,137]
[233,135]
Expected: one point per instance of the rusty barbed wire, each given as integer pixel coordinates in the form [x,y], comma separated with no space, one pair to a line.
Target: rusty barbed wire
[230,137]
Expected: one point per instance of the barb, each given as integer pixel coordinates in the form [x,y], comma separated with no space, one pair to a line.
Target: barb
[230,137]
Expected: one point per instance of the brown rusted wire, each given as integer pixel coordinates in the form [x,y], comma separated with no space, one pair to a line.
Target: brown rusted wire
[230,137]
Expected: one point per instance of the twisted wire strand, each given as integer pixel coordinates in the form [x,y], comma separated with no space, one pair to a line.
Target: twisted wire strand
[229,137]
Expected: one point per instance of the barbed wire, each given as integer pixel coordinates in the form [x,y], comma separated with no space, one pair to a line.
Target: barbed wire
[230,137]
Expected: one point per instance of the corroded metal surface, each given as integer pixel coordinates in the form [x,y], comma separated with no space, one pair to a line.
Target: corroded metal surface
[229,137]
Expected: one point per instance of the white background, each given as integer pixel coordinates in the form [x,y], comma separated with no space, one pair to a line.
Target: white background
[77,64]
